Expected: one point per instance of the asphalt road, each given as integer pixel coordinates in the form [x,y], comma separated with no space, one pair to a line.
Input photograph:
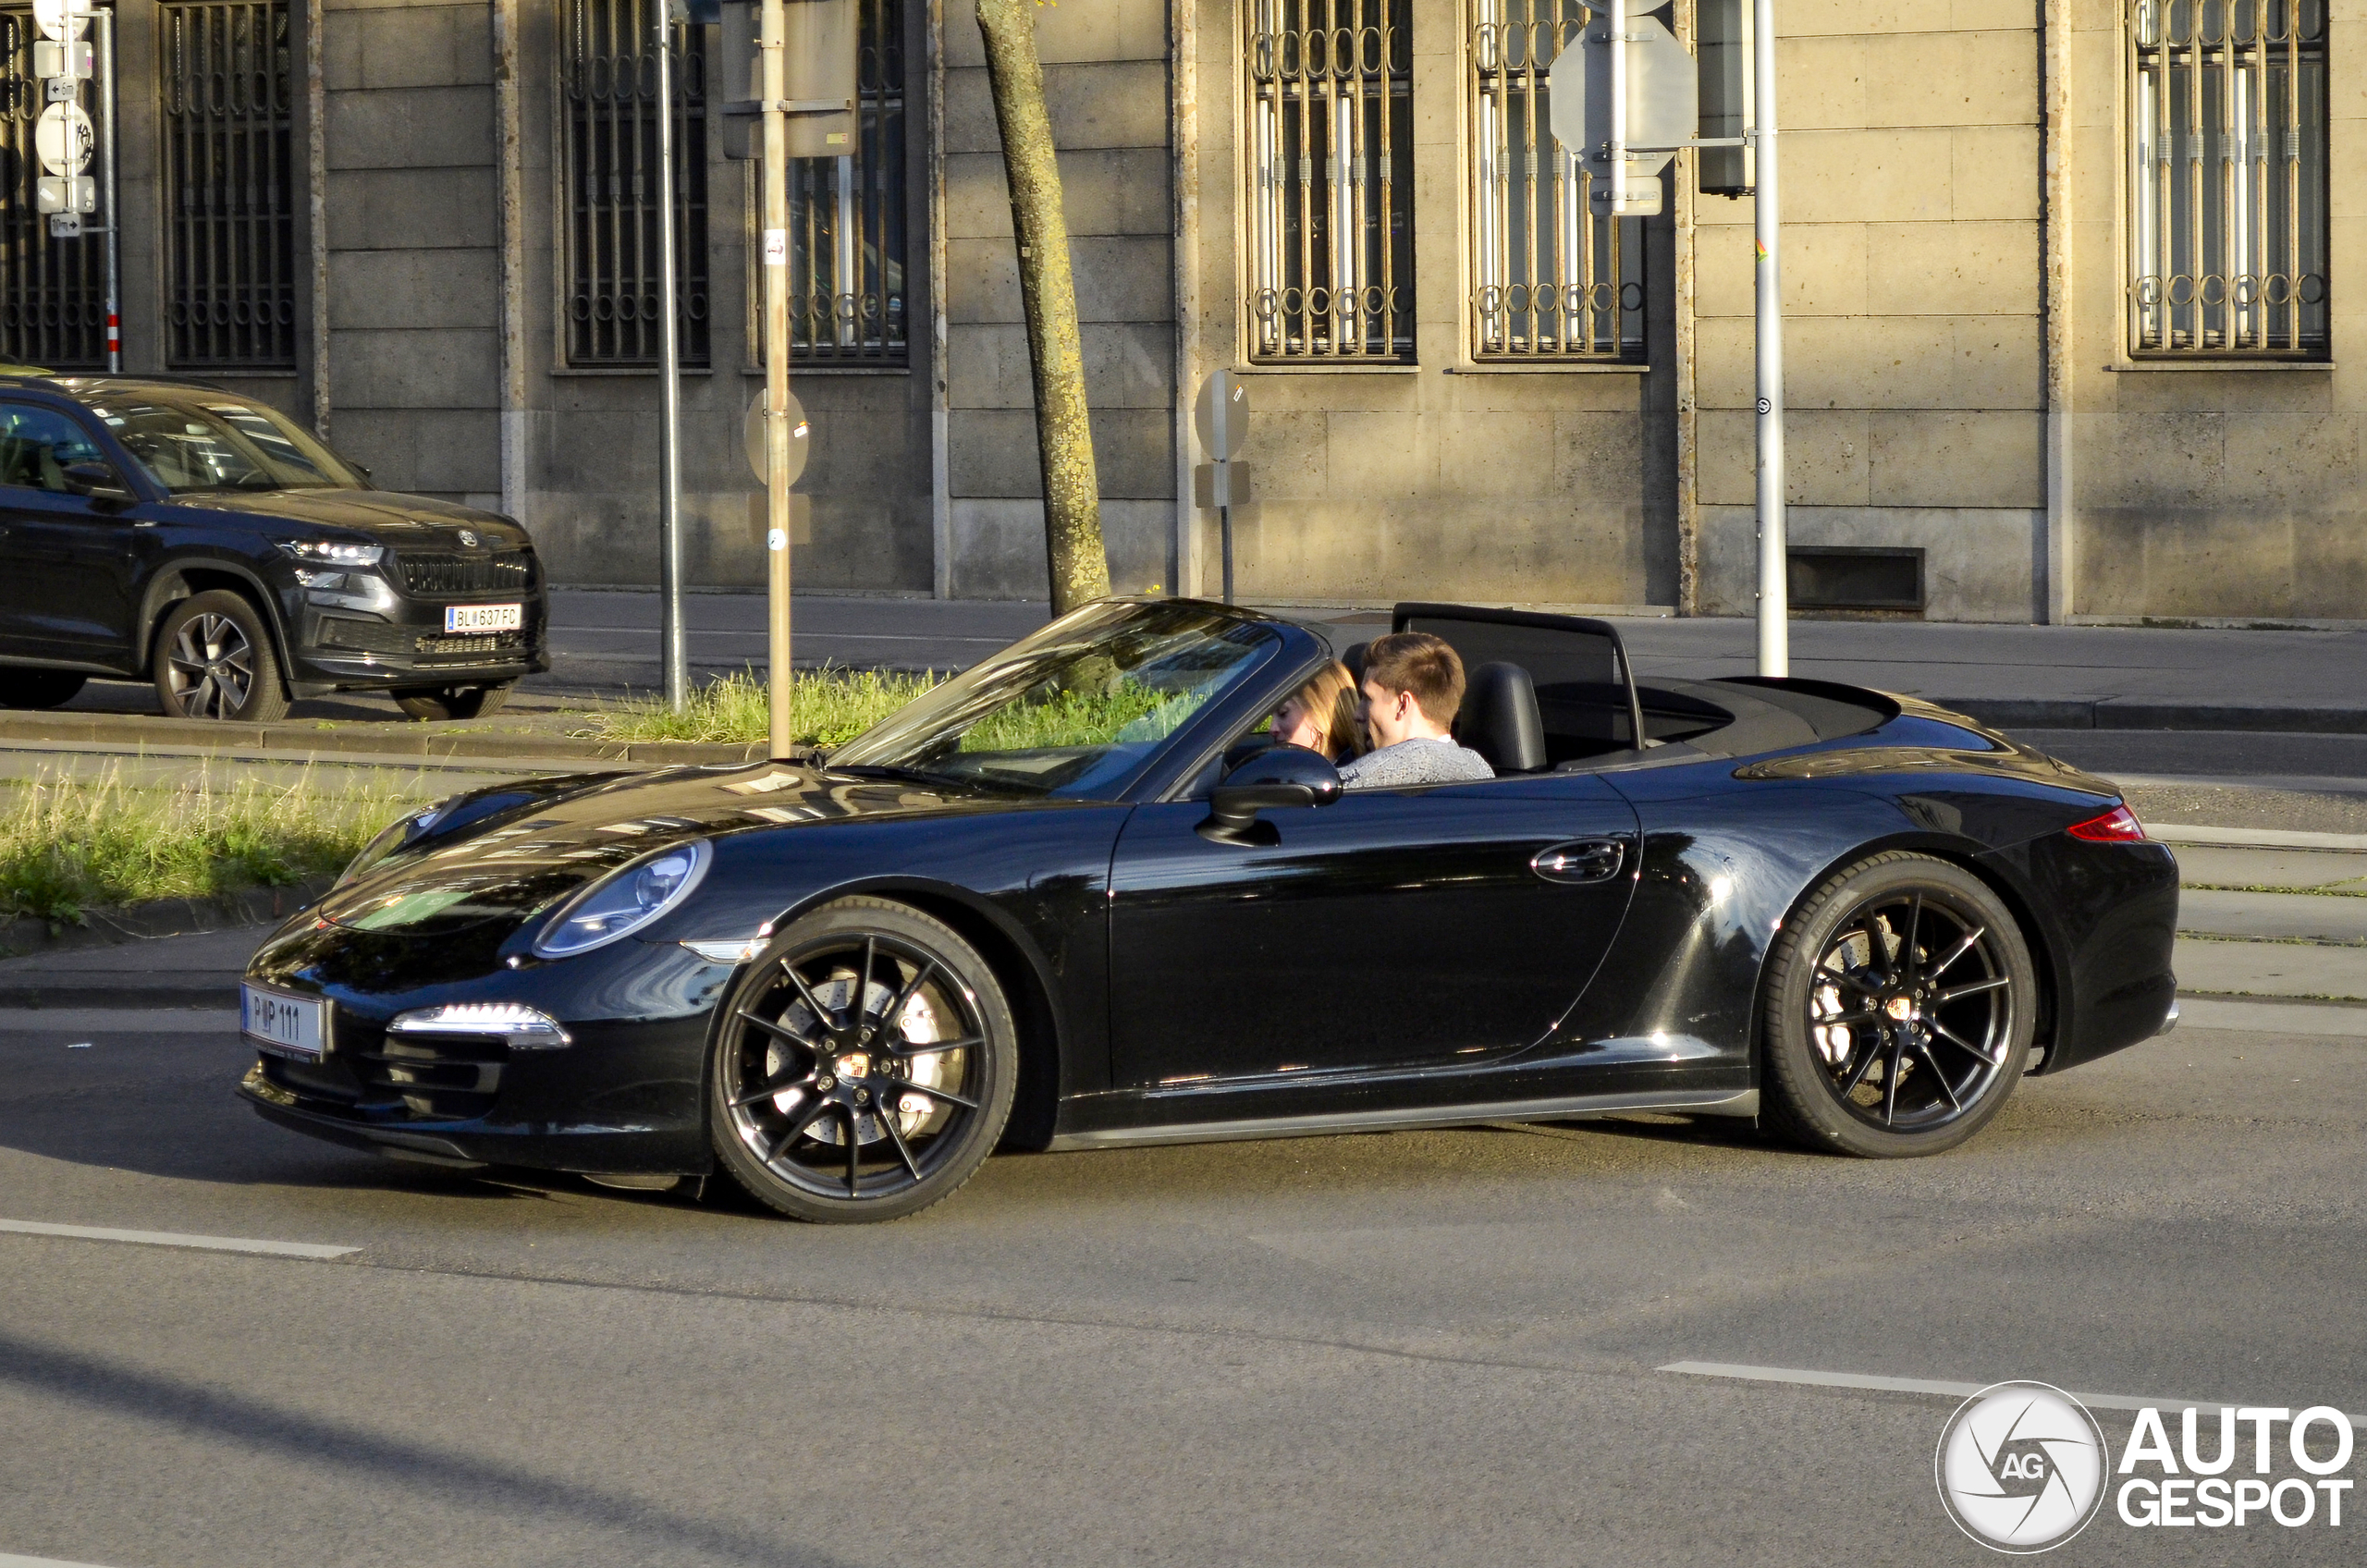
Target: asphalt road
[1420,1348]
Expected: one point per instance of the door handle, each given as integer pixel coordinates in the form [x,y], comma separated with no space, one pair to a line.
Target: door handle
[1580,860]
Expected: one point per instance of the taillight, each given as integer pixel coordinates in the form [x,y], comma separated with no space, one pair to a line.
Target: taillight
[2118,826]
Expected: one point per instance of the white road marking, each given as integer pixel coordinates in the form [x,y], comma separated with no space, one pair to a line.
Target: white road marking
[1926,1385]
[2254,837]
[172,1239]
[2266,1017]
[11,1560]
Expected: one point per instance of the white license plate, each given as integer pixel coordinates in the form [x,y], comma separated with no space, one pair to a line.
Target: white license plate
[484,618]
[296,1027]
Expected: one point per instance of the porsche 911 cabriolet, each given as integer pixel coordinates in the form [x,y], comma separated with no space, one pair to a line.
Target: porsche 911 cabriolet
[1051,903]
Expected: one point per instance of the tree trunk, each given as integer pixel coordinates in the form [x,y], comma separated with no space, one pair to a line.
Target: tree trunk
[1080,567]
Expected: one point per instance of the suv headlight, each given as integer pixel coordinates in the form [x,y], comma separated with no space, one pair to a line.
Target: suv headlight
[625,900]
[328,552]
[401,834]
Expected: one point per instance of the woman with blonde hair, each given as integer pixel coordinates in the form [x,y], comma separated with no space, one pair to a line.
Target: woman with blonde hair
[1323,715]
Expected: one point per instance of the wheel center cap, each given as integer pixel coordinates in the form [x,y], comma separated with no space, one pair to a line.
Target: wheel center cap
[1903,1008]
[854,1064]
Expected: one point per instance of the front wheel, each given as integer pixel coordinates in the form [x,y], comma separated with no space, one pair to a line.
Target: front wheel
[864,1066]
[213,660]
[1898,1012]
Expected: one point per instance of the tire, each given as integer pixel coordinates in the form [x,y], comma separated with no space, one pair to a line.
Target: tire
[39,687]
[795,1067]
[454,702]
[213,660]
[1898,1011]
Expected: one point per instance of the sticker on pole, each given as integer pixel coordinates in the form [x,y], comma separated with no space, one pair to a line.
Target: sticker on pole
[775,246]
[63,139]
[752,434]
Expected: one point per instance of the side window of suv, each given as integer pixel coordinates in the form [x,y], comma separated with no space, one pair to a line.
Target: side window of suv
[38,444]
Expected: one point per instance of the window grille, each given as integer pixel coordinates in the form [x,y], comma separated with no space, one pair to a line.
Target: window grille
[52,293]
[1330,168]
[608,109]
[228,189]
[846,224]
[2227,177]
[1551,280]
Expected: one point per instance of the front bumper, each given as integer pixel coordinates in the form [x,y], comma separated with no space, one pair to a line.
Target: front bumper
[401,643]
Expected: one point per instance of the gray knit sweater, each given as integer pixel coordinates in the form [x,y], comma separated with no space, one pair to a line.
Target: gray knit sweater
[1419,761]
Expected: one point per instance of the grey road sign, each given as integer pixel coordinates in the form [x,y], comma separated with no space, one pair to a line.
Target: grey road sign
[1221,416]
[63,138]
[752,431]
[62,20]
[1662,93]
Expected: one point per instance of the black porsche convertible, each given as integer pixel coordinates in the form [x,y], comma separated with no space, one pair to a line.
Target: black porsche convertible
[1074,898]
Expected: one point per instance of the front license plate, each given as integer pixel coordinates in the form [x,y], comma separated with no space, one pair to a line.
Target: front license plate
[484,618]
[295,1027]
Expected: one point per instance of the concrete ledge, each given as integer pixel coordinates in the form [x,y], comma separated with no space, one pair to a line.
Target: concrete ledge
[163,917]
[2141,712]
[296,742]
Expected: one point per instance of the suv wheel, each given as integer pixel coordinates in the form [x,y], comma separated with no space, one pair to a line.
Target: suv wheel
[213,660]
[454,702]
[38,688]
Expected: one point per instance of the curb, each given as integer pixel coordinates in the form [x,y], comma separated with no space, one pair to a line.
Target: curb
[157,999]
[29,937]
[2134,713]
[295,741]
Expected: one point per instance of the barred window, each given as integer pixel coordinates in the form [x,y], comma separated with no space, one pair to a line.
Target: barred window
[1551,280]
[52,293]
[608,109]
[846,224]
[228,184]
[1330,138]
[2227,177]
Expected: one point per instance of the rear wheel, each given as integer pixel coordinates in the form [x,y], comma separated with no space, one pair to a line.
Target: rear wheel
[38,688]
[864,1066]
[454,702]
[213,660]
[1898,1012]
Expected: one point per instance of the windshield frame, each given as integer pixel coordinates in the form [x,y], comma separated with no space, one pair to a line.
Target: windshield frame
[1248,692]
[108,407]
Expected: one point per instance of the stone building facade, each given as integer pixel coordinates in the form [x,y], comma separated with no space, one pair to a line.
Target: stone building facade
[2063,337]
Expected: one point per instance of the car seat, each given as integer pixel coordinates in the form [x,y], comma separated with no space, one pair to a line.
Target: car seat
[1499,719]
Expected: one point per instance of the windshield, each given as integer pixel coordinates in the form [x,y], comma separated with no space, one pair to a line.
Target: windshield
[1074,710]
[221,442]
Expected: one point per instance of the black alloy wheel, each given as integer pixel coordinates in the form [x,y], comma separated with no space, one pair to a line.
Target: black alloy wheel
[213,660]
[863,1066]
[1900,1005]
[454,702]
[39,687]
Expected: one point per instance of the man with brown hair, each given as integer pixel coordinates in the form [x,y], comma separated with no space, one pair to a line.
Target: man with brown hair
[1413,686]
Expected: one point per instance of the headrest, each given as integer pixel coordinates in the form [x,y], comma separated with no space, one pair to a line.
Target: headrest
[1499,719]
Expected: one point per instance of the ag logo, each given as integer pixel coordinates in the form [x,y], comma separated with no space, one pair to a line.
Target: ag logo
[2021,1467]
[468,539]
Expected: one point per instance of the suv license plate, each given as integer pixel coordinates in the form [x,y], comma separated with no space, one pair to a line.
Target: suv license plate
[294,1027]
[484,618]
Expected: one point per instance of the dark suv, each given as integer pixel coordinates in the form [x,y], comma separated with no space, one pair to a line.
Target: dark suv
[170,531]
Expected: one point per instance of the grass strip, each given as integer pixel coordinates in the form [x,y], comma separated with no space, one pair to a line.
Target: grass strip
[69,845]
[830,705]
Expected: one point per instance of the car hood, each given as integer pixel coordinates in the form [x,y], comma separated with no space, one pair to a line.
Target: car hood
[520,858]
[403,522]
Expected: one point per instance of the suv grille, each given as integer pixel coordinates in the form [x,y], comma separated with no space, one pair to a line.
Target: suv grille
[506,572]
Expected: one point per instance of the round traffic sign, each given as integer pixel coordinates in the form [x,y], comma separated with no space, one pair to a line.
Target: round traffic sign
[752,431]
[63,138]
[1221,416]
[55,16]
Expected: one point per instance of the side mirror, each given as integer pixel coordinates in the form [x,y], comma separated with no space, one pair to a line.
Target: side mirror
[94,480]
[1277,779]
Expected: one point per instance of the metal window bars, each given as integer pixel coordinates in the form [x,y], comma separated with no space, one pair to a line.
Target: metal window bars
[228,186]
[1551,280]
[1330,142]
[608,108]
[2228,179]
[52,293]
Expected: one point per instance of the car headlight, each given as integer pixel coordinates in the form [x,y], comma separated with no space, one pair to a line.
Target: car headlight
[329,551]
[400,835]
[521,1028]
[625,900]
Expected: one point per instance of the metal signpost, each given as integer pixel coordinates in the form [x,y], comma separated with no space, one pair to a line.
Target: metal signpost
[669,397]
[1625,98]
[1221,416]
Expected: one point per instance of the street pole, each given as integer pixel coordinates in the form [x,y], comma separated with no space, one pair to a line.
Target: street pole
[1618,110]
[1774,629]
[772,28]
[669,397]
[115,226]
